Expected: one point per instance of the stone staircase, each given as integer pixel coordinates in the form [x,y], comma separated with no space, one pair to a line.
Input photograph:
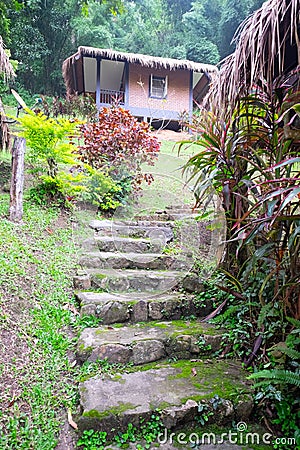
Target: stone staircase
[137,277]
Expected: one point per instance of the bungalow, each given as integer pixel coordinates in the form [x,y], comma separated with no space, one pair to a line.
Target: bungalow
[152,88]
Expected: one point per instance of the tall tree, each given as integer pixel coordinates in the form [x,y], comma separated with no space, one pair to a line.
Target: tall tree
[200,31]
[94,28]
[233,13]
[41,36]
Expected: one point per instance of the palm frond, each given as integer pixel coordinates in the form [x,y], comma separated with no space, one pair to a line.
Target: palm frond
[264,42]
[277,376]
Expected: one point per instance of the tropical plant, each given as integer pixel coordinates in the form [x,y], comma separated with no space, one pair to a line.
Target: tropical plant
[119,144]
[249,154]
[46,139]
[101,190]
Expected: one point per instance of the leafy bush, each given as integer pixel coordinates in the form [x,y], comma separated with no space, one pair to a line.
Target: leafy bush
[118,143]
[101,190]
[62,189]
[47,141]
[253,165]
[9,100]
[48,147]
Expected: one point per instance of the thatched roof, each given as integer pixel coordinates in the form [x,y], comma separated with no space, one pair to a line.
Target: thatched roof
[143,60]
[5,65]
[267,47]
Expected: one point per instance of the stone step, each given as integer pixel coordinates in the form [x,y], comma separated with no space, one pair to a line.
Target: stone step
[141,307]
[139,280]
[170,216]
[145,343]
[121,244]
[155,261]
[153,230]
[173,390]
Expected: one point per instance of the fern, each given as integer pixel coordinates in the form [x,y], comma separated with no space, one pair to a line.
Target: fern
[294,322]
[229,312]
[277,376]
[292,353]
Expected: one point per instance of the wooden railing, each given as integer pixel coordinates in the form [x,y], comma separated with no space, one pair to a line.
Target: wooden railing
[110,97]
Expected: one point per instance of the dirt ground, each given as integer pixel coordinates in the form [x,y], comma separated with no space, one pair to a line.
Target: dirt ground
[170,135]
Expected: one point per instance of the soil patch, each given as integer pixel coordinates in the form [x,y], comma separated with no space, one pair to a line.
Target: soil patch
[170,135]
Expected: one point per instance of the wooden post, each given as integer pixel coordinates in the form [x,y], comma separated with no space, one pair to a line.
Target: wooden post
[17,180]
[4,131]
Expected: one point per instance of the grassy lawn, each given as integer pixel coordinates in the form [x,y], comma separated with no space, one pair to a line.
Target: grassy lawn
[169,187]
[38,319]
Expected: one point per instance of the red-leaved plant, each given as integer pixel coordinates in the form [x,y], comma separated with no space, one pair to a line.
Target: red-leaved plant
[118,144]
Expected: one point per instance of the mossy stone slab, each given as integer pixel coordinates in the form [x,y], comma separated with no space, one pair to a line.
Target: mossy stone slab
[110,402]
[148,342]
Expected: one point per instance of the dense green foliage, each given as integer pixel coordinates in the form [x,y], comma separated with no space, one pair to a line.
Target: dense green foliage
[41,34]
[62,175]
[251,160]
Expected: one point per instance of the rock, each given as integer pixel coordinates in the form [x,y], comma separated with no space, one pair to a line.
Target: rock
[114,353]
[194,347]
[155,310]
[88,310]
[113,312]
[82,282]
[172,309]
[179,346]
[222,410]
[244,408]
[148,351]
[140,311]
[114,402]
[213,342]
[192,283]
[177,415]
[108,403]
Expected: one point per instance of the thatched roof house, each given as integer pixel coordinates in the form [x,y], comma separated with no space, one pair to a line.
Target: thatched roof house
[267,52]
[151,87]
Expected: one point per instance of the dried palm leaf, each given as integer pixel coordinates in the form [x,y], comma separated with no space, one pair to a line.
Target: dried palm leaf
[5,66]
[267,46]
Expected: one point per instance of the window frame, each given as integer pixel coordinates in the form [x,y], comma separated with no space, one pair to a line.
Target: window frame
[165,88]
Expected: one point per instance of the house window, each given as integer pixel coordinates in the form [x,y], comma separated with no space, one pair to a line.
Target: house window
[158,86]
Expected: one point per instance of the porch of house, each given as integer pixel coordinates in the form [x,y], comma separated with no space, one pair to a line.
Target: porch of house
[155,89]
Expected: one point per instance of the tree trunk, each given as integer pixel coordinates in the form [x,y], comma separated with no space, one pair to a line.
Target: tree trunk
[17,180]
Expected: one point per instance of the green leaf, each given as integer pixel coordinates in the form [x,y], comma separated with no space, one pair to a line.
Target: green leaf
[288,199]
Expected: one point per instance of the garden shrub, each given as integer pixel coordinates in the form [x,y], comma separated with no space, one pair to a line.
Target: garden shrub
[101,190]
[62,190]
[48,141]
[119,144]
[49,147]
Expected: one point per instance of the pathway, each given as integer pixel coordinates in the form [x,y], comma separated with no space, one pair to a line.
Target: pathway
[137,276]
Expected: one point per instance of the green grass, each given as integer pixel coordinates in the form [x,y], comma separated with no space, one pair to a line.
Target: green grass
[37,309]
[38,320]
[169,187]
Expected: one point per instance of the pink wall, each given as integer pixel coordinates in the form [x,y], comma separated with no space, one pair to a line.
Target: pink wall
[177,94]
